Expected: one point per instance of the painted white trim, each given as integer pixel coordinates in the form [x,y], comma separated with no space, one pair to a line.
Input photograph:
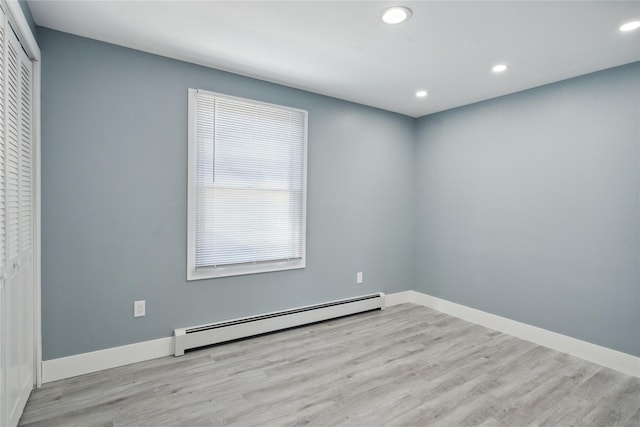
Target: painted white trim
[37,225]
[85,363]
[623,362]
[23,30]
[398,298]
[71,366]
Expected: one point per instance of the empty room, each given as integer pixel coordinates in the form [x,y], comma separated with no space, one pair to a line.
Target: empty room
[325,213]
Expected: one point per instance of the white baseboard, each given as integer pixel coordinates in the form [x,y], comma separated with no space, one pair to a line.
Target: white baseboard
[85,363]
[398,298]
[623,362]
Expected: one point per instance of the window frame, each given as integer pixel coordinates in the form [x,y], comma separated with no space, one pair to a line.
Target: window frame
[194,273]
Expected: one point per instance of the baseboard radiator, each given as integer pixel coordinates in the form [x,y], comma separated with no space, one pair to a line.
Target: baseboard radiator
[214,333]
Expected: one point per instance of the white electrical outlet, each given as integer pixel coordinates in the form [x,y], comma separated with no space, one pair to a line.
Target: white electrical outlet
[138,308]
[359,277]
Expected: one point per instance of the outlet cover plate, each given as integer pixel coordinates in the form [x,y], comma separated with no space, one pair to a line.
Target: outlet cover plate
[139,308]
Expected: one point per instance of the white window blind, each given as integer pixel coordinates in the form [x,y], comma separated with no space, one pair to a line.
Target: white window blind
[247,185]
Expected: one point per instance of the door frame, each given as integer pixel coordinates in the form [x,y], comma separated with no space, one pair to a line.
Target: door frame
[21,27]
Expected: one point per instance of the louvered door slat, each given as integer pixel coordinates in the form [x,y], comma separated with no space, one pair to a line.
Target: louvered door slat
[26,145]
[12,153]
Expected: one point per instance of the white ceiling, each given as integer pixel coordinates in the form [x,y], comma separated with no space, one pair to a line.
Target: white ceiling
[342,48]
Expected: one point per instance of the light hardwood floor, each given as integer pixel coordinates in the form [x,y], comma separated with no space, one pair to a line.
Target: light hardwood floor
[405,366]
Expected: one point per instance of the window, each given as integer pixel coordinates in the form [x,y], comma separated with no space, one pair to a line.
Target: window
[247,186]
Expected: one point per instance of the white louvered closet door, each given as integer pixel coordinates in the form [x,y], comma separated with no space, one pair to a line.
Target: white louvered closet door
[4,401]
[25,228]
[17,217]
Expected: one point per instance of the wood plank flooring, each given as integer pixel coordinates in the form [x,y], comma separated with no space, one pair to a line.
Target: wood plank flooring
[405,366]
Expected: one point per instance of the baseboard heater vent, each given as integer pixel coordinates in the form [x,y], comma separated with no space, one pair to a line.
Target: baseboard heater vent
[214,333]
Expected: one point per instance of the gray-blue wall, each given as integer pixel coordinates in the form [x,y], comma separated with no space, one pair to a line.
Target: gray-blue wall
[28,16]
[527,207]
[114,194]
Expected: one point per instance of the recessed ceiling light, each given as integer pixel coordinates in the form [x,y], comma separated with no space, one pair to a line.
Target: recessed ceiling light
[421,93]
[499,68]
[630,26]
[396,15]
